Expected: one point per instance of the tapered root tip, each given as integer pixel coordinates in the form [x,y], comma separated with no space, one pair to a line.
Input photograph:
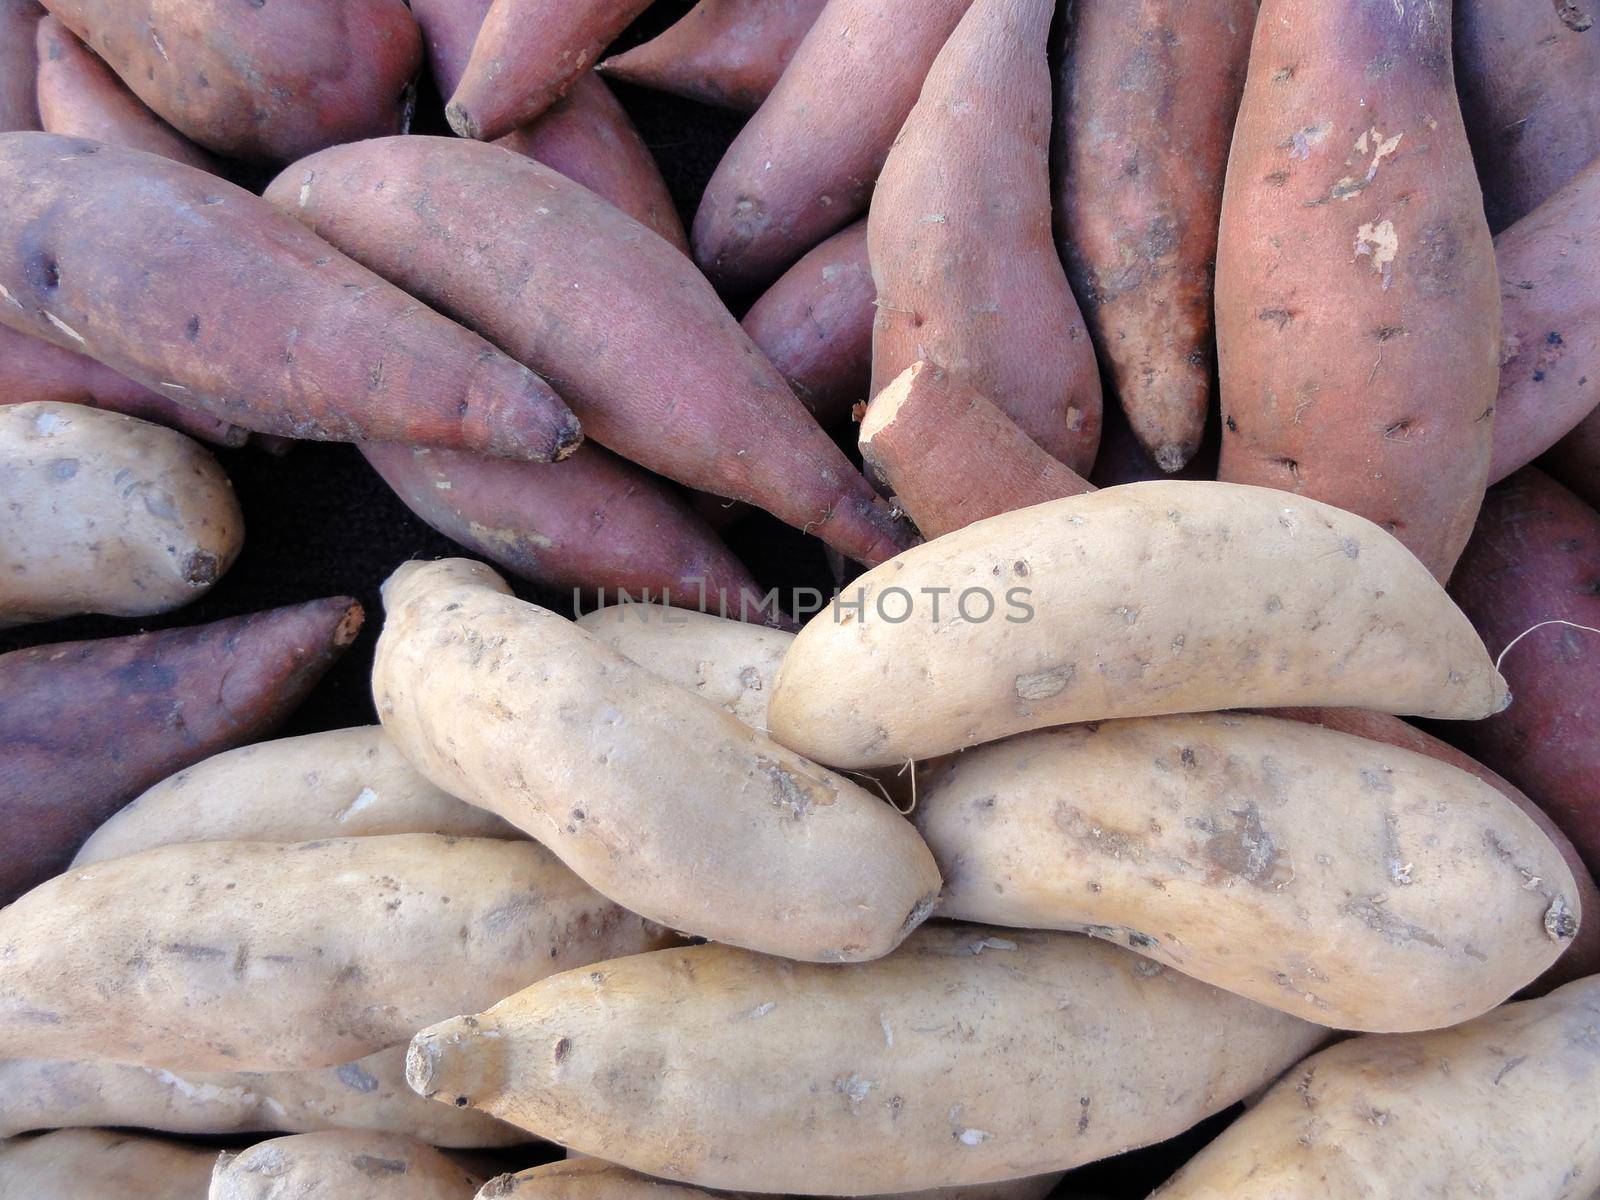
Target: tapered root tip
[422,1065]
[568,438]
[1172,458]
[349,624]
[462,122]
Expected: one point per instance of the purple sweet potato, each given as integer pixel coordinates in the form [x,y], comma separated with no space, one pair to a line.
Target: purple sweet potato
[259,80]
[1529,77]
[804,165]
[527,54]
[87,726]
[18,65]
[80,96]
[1550,353]
[1146,99]
[449,28]
[959,235]
[815,325]
[33,369]
[1575,461]
[205,293]
[1535,557]
[730,53]
[623,324]
[594,521]
[1357,303]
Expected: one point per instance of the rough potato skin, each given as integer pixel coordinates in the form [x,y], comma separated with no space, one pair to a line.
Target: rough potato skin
[815,325]
[1575,461]
[74,1164]
[730,53]
[278,956]
[971,1056]
[79,96]
[526,55]
[268,82]
[959,235]
[803,167]
[1358,311]
[348,1164]
[86,726]
[1304,604]
[630,779]
[342,783]
[369,1093]
[107,514]
[18,65]
[1505,1106]
[203,292]
[1146,96]
[596,522]
[623,325]
[1550,355]
[1526,73]
[1536,557]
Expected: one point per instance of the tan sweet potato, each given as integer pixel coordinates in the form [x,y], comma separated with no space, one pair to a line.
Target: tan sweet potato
[972,1055]
[623,324]
[1358,313]
[804,165]
[1505,1106]
[86,1164]
[262,81]
[1575,461]
[201,291]
[273,956]
[959,236]
[725,52]
[343,1163]
[86,726]
[18,65]
[80,96]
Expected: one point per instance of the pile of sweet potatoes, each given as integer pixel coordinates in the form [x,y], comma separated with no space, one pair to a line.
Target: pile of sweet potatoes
[1198,405]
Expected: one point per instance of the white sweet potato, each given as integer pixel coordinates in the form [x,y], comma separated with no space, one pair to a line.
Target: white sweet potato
[91,1164]
[341,1165]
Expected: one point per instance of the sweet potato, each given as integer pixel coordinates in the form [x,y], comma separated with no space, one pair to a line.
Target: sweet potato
[1146,96]
[1139,600]
[804,165]
[1358,312]
[1535,557]
[370,1093]
[87,1164]
[269,82]
[32,369]
[80,96]
[624,325]
[815,325]
[107,514]
[1503,1106]
[527,55]
[596,522]
[667,803]
[972,1055]
[343,783]
[959,236]
[1550,356]
[1526,74]
[86,726]
[951,457]
[729,53]
[1575,461]
[276,956]
[347,1164]
[18,65]
[203,292]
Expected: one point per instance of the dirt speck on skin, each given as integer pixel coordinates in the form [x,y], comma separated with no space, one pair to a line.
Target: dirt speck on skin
[1247,850]
[1044,685]
[374,1167]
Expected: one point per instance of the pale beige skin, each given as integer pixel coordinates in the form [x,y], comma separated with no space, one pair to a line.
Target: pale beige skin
[341,1165]
[666,803]
[730,663]
[1348,882]
[107,514]
[973,1055]
[1507,1106]
[370,1093]
[1147,598]
[263,956]
[88,1164]
[343,783]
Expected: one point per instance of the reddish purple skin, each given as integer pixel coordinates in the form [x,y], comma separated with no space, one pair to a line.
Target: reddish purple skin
[87,726]
[449,27]
[1534,557]
[815,324]
[1575,461]
[17,65]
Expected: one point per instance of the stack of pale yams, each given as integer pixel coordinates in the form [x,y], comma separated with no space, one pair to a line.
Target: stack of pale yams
[726,906]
